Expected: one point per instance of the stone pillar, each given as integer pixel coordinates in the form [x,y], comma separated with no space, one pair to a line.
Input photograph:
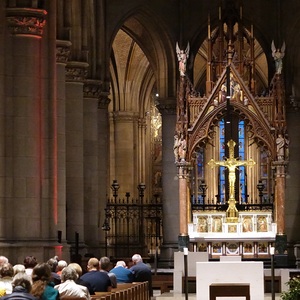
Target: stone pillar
[170,182]
[75,76]
[280,198]
[3,193]
[92,228]
[62,54]
[26,169]
[183,238]
[281,254]
[125,151]
[103,154]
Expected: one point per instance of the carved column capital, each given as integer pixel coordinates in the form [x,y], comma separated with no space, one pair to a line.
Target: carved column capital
[280,168]
[105,92]
[63,50]
[103,100]
[76,71]
[92,88]
[184,169]
[142,123]
[167,106]
[125,116]
[26,21]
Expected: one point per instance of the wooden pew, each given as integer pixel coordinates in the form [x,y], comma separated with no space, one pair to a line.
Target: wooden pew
[125,291]
[163,282]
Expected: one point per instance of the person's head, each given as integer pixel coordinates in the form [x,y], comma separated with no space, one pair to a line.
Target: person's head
[68,273]
[93,264]
[61,264]
[121,263]
[136,258]
[104,263]
[3,260]
[18,268]
[53,264]
[30,262]
[6,270]
[76,267]
[41,272]
[23,280]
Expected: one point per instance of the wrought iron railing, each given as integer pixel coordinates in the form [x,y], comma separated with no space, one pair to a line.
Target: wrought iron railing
[132,225]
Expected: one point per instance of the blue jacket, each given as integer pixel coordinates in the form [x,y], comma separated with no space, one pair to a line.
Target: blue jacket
[19,293]
[123,275]
[50,293]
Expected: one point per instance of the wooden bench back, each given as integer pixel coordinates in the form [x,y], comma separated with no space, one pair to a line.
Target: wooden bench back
[125,291]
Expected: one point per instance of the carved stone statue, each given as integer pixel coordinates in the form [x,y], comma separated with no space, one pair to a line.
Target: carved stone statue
[182,148]
[179,147]
[278,55]
[281,147]
[176,147]
[182,56]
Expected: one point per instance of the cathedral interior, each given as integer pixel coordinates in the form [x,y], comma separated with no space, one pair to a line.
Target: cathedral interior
[150,126]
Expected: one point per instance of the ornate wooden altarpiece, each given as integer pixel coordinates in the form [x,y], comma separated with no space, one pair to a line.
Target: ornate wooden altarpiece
[244,214]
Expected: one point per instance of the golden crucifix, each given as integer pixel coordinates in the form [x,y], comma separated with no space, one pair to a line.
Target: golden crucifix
[231,164]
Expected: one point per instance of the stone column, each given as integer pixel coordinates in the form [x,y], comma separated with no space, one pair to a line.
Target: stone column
[125,148]
[92,228]
[62,55]
[183,238]
[75,76]
[281,237]
[26,139]
[171,228]
[103,154]
[280,199]
[3,179]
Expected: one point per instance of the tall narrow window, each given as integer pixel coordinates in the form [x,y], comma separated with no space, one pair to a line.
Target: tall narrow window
[265,175]
[242,176]
[221,173]
[198,177]
[242,169]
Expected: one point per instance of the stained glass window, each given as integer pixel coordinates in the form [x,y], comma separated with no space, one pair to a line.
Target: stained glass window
[221,174]
[242,171]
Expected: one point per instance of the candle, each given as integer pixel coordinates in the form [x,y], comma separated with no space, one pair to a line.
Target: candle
[185,251]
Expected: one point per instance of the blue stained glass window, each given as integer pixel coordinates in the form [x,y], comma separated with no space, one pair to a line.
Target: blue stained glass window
[200,164]
[200,174]
[222,186]
[242,170]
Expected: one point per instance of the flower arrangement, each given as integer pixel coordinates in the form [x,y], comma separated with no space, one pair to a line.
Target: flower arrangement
[294,289]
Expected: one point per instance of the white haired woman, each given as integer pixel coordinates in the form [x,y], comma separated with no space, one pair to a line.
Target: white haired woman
[68,288]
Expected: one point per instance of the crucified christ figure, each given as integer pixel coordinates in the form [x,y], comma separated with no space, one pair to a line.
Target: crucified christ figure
[231,164]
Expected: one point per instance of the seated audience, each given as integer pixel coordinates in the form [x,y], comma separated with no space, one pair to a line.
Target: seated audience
[141,271]
[68,288]
[60,265]
[18,268]
[29,262]
[78,270]
[6,274]
[123,274]
[21,288]
[105,266]
[99,281]
[3,260]
[55,278]
[42,287]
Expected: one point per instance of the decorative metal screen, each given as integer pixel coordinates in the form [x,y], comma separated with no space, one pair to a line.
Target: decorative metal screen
[133,226]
